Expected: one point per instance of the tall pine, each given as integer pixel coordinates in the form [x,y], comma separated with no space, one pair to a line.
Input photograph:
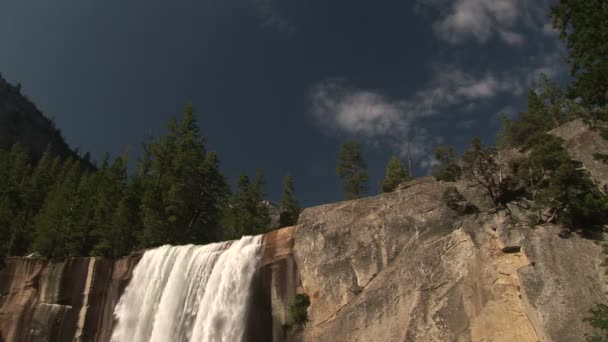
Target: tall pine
[290,209]
[352,170]
[184,189]
[395,175]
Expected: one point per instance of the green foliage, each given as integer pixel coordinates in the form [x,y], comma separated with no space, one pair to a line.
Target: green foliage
[604,133]
[58,232]
[601,157]
[248,212]
[298,310]
[14,181]
[584,29]
[61,208]
[447,170]
[557,183]
[109,216]
[599,320]
[546,110]
[290,209]
[352,170]
[183,189]
[479,166]
[395,175]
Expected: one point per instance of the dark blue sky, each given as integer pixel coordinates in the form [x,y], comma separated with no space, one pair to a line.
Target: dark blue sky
[279,84]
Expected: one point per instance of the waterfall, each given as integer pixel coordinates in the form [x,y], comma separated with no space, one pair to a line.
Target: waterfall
[189,293]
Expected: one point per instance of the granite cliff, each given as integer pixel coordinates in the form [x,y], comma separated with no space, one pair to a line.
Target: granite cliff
[402,266]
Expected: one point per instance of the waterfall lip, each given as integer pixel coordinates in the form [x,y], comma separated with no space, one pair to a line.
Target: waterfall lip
[189,293]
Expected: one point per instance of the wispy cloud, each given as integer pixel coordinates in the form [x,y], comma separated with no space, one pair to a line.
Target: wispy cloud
[372,116]
[377,118]
[271,15]
[481,20]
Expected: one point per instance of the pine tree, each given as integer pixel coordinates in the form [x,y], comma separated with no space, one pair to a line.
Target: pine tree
[352,170]
[261,223]
[248,211]
[290,209]
[6,210]
[584,29]
[557,183]
[109,187]
[119,237]
[395,175]
[57,226]
[447,170]
[184,190]
[547,109]
[479,166]
[19,172]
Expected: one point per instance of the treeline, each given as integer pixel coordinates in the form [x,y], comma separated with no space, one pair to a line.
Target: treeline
[551,186]
[176,195]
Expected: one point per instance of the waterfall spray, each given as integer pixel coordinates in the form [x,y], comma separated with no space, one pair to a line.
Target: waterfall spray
[189,293]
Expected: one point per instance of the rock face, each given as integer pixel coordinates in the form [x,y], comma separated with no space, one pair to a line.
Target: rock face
[71,300]
[401,266]
[582,143]
[74,300]
[404,267]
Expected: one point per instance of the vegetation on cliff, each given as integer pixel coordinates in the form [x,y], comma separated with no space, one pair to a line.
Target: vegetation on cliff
[395,175]
[352,170]
[59,207]
[298,310]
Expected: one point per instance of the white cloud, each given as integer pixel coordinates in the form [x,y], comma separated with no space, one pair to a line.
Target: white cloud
[372,116]
[377,118]
[511,37]
[479,19]
[357,111]
[458,21]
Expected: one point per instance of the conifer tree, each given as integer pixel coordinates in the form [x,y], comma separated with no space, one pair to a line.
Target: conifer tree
[119,236]
[557,183]
[584,29]
[395,175]
[19,171]
[108,186]
[57,226]
[6,213]
[184,190]
[447,170]
[352,170]
[479,166]
[248,214]
[290,209]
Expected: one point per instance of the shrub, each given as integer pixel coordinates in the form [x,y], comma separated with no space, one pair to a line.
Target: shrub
[598,320]
[455,201]
[447,170]
[298,310]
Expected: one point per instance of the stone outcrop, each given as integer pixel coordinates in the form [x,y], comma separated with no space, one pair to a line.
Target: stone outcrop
[70,300]
[404,267]
[582,143]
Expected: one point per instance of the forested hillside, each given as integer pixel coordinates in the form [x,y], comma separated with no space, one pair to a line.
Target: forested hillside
[58,207]
[21,122]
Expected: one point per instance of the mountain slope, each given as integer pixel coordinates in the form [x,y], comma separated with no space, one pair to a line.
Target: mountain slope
[21,122]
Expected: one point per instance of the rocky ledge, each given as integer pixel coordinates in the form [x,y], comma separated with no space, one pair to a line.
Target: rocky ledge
[401,266]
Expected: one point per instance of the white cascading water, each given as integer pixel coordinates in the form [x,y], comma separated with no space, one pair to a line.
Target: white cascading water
[189,293]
